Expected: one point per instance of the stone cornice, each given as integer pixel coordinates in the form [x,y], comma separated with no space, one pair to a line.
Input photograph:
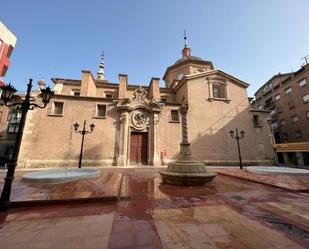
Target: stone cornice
[81,98]
[217,71]
[66,81]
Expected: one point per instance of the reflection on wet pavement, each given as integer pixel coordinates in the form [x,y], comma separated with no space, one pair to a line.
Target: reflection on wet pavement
[227,213]
[105,186]
[289,182]
[215,226]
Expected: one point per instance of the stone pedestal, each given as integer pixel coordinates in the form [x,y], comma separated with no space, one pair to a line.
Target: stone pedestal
[186,170]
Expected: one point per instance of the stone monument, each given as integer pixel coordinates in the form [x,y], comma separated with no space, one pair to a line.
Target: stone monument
[186,170]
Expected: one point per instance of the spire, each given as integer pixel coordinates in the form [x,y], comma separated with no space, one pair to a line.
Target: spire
[101,73]
[186,51]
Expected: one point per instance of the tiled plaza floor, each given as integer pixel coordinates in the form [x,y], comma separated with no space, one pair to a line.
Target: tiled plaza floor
[107,186]
[227,213]
[290,182]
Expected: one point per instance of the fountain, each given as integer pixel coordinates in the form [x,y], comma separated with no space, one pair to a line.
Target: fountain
[60,175]
[276,170]
[186,170]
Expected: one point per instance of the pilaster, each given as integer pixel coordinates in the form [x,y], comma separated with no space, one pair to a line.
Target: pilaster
[123,139]
[156,160]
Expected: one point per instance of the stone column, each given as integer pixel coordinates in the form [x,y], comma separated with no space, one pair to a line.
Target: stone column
[185,149]
[123,139]
[186,170]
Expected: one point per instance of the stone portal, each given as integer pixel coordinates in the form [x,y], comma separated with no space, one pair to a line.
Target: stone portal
[138,131]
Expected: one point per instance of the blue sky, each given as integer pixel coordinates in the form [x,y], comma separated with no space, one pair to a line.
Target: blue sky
[252,40]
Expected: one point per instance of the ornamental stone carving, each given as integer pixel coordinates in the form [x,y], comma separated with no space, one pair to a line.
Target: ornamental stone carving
[139,119]
[140,95]
[123,117]
[185,150]
[140,109]
[156,118]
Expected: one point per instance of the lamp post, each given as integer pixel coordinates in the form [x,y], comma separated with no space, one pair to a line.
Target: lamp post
[238,137]
[83,132]
[24,105]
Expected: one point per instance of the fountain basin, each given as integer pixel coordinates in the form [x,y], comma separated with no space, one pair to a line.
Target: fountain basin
[276,170]
[187,173]
[60,175]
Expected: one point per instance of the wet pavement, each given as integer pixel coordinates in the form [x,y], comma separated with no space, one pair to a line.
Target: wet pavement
[227,213]
[286,181]
[105,187]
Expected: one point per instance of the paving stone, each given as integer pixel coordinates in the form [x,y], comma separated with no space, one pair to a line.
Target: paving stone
[229,213]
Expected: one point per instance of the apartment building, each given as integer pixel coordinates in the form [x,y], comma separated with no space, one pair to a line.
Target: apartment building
[286,96]
[7,44]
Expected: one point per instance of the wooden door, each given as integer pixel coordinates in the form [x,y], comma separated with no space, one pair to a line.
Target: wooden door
[139,148]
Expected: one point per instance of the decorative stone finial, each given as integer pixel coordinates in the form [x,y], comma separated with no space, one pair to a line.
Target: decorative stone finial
[101,73]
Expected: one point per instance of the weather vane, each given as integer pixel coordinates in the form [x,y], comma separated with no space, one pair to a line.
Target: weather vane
[185,38]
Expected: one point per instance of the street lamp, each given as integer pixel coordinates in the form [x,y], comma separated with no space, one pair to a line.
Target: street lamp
[238,137]
[24,105]
[83,132]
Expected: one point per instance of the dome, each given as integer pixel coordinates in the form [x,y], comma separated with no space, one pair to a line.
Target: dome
[188,58]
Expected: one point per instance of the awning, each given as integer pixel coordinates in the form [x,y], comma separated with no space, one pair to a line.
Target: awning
[292,147]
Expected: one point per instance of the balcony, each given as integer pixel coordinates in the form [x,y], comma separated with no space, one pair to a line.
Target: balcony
[269,106]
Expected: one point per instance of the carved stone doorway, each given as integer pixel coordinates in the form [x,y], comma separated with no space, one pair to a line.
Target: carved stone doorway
[138,130]
[139,148]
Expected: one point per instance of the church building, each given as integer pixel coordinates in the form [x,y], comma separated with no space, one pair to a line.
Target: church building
[140,125]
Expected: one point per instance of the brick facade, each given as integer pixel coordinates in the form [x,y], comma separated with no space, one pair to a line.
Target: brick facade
[50,141]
